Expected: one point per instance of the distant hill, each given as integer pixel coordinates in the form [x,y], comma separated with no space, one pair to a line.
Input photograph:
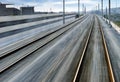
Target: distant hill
[115,14]
[115,11]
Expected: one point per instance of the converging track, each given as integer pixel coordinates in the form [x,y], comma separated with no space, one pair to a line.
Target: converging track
[95,64]
[30,48]
[74,52]
[45,51]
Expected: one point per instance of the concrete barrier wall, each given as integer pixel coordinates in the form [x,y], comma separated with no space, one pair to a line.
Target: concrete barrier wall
[22,17]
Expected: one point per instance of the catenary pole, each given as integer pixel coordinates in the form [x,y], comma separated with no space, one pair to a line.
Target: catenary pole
[63,11]
[102,7]
[78,7]
[109,10]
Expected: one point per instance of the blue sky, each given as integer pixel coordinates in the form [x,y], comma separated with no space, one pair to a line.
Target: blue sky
[56,5]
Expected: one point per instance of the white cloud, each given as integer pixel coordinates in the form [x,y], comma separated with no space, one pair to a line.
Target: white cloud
[71,5]
[48,6]
[70,2]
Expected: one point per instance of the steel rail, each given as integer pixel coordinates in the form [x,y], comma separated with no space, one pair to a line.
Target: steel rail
[71,50]
[83,53]
[110,71]
[111,74]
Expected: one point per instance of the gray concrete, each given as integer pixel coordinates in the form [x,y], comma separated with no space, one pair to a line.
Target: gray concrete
[14,18]
[28,25]
[27,37]
[40,65]
[17,56]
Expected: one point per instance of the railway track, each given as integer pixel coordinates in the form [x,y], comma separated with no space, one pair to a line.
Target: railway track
[74,52]
[11,58]
[95,64]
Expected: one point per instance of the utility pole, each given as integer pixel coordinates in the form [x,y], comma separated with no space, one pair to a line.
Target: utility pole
[63,11]
[102,6]
[109,10]
[98,7]
[83,9]
[78,7]
[106,13]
